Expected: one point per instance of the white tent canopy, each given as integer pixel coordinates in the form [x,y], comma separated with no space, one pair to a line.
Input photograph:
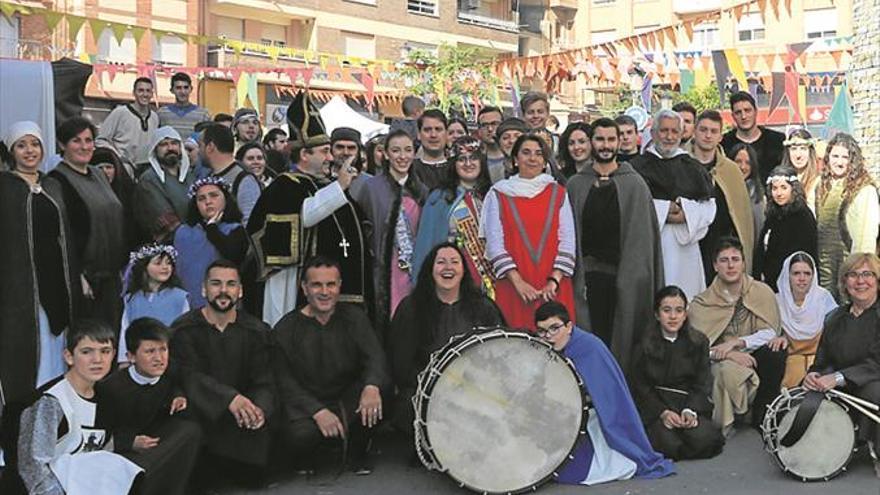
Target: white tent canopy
[337,113]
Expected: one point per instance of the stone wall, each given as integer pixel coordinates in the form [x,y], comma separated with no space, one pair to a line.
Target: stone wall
[864,79]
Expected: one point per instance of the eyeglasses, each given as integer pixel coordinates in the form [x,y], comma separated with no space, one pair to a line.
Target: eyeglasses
[549,331]
[867,274]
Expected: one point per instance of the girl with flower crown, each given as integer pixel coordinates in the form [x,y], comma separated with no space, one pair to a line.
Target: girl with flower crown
[212,231]
[789,225]
[152,289]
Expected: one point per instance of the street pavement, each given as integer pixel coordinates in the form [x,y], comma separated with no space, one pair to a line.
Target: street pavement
[743,468]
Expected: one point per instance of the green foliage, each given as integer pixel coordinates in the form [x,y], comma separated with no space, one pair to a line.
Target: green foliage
[706,98]
[445,80]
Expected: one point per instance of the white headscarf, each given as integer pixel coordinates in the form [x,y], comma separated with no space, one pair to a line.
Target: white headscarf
[21,129]
[159,135]
[805,321]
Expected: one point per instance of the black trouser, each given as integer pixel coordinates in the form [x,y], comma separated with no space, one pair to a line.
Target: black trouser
[302,436]
[770,369]
[10,482]
[602,301]
[167,466]
[703,442]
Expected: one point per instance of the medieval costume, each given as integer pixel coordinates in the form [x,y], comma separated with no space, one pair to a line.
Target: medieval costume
[528,227]
[432,174]
[787,230]
[752,317]
[64,445]
[326,367]
[620,265]
[134,405]
[673,374]
[246,188]
[615,446]
[215,367]
[455,217]
[98,234]
[850,345]
[392,211]
[845,227]
[417,332]
[128,132]
[733,215]
[802,324]
[37,296]
[684,181]
[161,198]
[201,244]
[299,216]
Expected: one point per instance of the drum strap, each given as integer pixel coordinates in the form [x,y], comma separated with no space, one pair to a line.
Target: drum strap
[803,418]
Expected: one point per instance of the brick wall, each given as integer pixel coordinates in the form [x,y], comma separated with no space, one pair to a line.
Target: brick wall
[864,77]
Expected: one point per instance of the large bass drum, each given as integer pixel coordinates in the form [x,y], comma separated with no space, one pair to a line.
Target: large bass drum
[826,446]
[498,411]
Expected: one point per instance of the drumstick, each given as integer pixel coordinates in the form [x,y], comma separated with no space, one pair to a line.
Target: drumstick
[861,409]
[853,398]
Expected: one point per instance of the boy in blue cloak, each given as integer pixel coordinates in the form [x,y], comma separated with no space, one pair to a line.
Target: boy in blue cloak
[615,446]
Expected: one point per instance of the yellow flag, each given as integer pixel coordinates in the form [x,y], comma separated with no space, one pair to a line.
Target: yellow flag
[241,91]
[734,63]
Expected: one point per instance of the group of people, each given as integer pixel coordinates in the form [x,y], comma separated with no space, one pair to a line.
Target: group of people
[200,293]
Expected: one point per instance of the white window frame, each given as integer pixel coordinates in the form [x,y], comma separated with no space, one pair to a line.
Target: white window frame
[423,7]
[753,24]
[160,55]
[232,36]
[604,36]
[111,51]
[700,39]
[821,23]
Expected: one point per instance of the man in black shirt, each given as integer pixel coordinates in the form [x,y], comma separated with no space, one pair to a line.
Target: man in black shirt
[629,138]
[767,142]
[330,370]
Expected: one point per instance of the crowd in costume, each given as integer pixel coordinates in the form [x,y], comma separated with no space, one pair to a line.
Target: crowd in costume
[181,294]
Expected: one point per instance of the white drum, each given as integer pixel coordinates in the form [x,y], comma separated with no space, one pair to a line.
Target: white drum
[498,411]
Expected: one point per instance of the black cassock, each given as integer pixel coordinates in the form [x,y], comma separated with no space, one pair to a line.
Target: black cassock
[133,409]
[676,376]
[215,367]
[851,345]
[281,240]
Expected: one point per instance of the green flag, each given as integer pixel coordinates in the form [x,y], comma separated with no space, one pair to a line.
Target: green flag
[841,117]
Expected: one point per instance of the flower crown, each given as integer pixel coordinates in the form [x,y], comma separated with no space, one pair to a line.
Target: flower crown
[787,178]
[211,180]
[799,141]
[150,251]
[466,146]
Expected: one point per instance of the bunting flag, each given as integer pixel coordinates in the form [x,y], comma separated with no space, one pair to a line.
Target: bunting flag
[515,96]
[792,81]
[253,92]
[687,80]
[734,63]
[777,92]
[722,72]
[795,51]
[841,118]
[74,24]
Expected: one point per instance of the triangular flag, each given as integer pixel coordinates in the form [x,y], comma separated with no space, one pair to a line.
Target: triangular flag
[74,24]
[770,60]
[253,92]
[836,55]
[307,75]
[736,68]
[762,7]
[752,61]
[689,30]
[119,31]
[738,11]
[774,4]
[841,118]
[273,52]
[52,19]
[97,26]
[777,91]
[137,33]
[9,9]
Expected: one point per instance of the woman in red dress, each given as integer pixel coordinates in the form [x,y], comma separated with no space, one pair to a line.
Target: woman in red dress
[530,239]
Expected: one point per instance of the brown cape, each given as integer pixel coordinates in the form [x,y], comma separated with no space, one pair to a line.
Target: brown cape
[710,311]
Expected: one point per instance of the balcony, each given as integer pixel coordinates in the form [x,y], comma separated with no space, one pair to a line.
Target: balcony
[496,15]
[683,7]
[564,6]
[223,56]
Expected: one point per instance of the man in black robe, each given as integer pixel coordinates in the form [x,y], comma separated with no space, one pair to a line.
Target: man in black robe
[430,165]
[146,412]
[223,355]
[305,212]
[330,370]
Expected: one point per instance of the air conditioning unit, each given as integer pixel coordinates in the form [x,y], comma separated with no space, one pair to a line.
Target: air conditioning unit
[470,4]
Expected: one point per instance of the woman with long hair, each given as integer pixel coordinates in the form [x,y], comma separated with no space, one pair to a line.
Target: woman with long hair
[672,383]
[789,225]
[252,156]
[574,148]
[444,303]
[530,238]
[212,231]
[452,213]
[800,154]
[847,209]
[746,158]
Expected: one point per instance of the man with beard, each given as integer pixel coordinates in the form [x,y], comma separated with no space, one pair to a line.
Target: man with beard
[160,197]
[734,215]
[223,355]
[303,213]
[619,261]
[682,192]
[431,166]
[768,144]
[629,138]
[127,129]
[330,370]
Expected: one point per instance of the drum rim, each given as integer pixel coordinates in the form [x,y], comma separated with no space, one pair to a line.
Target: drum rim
[791,394]
[481,334]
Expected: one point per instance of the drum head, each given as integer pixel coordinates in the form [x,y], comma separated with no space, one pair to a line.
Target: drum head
[824,449]
[504,414]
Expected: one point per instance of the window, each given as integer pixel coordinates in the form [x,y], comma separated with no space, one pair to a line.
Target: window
[273,34]
[10,30]
[423,7]
[597,37]
[705,36]
[750,27]
[820,23]
[230,28]
[170,50]
[111,51]
[359,45]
